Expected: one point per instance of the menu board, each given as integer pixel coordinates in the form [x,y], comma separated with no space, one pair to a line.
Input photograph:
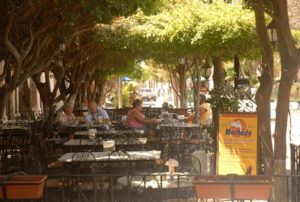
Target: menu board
[237,143]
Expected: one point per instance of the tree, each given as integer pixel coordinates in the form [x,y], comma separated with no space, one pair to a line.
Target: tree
[265,89]
[27,42]
[290,60]
[190,29]
[33,30]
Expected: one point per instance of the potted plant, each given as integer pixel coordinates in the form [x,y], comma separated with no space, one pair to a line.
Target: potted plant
[17,186]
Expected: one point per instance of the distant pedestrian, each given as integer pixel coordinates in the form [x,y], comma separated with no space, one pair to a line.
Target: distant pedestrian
[298,96]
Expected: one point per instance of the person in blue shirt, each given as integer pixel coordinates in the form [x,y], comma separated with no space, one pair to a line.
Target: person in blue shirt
[96,114]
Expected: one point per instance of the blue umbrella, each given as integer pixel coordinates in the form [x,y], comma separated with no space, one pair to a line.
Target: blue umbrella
[125,78]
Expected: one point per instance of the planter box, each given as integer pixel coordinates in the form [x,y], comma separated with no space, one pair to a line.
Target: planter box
[233,187]
[22,186]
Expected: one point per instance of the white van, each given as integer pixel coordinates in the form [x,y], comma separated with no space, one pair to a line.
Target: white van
[147,94]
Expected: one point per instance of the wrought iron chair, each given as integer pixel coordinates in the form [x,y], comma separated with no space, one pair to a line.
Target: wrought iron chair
[119,162]
[81,162]
[144,188]
[190,164]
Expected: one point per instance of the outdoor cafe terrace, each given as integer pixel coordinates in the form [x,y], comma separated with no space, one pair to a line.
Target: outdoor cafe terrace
[118,163]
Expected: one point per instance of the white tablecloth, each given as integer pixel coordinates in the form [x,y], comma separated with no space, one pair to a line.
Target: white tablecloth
[104,156]
[158,180]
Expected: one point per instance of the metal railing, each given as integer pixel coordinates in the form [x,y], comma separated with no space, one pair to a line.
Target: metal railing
[119,187]
[292,185]
[136,187]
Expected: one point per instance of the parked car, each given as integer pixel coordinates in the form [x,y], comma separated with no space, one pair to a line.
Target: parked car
[147,94]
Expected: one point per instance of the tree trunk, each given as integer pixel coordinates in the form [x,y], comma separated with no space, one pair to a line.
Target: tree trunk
[182,84]
[219,74]
[48,110]
[4,95]
[264,92]
[100,96]
[10,107]
[289,55]
[237,67]
[120,101]
[282,111]
[290,60]
[264,121]
[174,85]
[219,82]
[25,100]
[197,86]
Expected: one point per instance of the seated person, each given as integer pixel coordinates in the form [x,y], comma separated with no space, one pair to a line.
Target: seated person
[204,112]
[94,112]
[67,117]
[135,118]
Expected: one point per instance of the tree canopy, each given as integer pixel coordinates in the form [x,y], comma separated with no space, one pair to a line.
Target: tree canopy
[186,28]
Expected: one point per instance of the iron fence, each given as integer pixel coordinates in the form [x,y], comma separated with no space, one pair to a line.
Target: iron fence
[140,187]
[119,187]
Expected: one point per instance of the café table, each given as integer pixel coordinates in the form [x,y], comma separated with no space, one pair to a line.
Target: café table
[86,126]
[96,144]
[107,133]
[179,131]
[110,162]
[174,135]
[80,134]
[105,156]
[66,130]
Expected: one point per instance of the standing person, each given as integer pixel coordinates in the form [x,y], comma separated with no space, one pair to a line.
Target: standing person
[204,112]
[135,118]
[94,112]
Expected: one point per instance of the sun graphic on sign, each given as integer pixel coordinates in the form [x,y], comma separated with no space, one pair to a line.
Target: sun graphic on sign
[238,125]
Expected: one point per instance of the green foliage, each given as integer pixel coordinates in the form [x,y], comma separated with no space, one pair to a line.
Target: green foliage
[296,36]
[129,93]
[154,71]
[135,72]
[106,10]
[224,99]
[185,28]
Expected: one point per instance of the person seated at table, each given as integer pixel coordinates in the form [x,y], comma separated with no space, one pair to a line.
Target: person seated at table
[96,113]
[204,112]
[66,117]
[135,118]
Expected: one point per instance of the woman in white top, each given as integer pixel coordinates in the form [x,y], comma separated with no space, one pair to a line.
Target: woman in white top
[67,117]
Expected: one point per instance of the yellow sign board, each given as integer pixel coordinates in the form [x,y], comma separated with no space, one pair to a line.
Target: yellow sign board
[237,143]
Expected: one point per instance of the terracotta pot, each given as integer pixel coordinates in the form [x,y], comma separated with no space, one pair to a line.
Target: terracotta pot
[22,187]
[215,190]
[233,187]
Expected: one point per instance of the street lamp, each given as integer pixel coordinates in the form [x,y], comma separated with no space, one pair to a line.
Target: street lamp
[272,34]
